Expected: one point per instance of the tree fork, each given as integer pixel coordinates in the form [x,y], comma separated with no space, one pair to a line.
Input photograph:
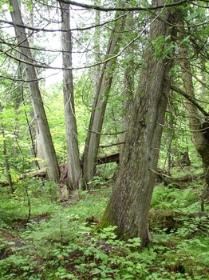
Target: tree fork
[74,166]
[100,102]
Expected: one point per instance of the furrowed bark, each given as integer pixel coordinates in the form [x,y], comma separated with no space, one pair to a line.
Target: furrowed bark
[128,82]
[131,197]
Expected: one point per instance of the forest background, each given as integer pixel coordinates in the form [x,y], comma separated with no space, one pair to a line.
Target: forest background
[104,139]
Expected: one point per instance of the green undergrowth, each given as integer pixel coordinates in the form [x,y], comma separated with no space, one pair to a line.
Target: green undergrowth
[62,240]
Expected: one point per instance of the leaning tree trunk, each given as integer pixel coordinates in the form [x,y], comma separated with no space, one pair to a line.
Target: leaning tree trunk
[74,165]
[18,99]
[198,125]
[38,107]
[100,102]
[131,197]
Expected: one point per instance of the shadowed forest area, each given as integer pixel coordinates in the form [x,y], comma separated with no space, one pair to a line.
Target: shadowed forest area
[104,139]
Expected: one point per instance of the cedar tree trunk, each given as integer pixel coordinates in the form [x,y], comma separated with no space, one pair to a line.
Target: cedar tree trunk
[38,107]
[198,125]
[74,165]
[131,197]
[100,102]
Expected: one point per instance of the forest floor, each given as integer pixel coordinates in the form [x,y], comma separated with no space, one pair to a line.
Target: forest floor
[62,240]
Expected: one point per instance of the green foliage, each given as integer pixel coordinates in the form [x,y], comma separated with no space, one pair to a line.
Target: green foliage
[55,115]
[171,198]
[2,4]
[41,238]
[163,47]
[61,241]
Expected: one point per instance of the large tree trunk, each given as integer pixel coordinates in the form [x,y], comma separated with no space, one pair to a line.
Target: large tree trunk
[38,107]
[74,165]
[130,201]
[100,102]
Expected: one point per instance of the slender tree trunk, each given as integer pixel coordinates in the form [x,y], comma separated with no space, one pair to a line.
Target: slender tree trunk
[204,77]
[34,131]
[74,164]
[170,142]
[6,162]
[38,107]
[100,102]
[131,197]
[97,48]
[198,125]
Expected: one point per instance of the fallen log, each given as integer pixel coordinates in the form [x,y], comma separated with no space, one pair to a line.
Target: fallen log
[178,182]
[42,173]
[161,175]
[108,159]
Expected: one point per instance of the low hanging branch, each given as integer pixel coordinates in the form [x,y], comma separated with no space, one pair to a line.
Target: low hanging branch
[111,145]
[192,100]
[38,29]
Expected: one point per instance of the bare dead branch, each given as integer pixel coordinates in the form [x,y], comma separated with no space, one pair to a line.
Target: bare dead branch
[37,29]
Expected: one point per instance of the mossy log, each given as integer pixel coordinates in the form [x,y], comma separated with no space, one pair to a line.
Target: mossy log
[177,182]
